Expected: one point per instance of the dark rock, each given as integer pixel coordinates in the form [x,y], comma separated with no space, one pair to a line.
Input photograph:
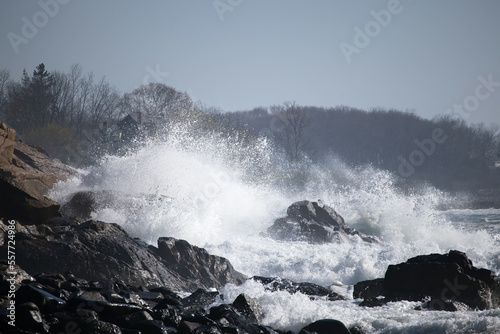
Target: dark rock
[373,302]
[309,289]
[325,326]
[150,327]
[127,321]
[358,329]
[84,203]
[96,251]
[188,326]
[198,301]
[169,297]
[196,265]
[314,223]
[443,278]
[168,315]
[12,275]
[29,318]
[46,301]
[207,329]
[54,281]
[19,202]
[369,289]
[82,325]
[148,295]
[450,306]
[249,308]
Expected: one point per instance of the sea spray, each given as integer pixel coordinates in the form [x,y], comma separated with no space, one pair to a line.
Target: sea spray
[222,193]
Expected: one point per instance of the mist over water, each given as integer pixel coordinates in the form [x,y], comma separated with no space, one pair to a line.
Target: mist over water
[220,194]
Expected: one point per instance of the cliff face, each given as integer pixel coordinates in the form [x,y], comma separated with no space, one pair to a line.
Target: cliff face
[26,174]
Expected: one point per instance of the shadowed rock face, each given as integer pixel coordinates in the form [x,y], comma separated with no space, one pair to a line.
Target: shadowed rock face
[195,264]
[100,251]
[450,281]
[314,223]
[443,278]
[26,175]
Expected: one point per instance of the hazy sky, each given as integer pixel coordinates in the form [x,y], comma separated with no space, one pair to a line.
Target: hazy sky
[238,54]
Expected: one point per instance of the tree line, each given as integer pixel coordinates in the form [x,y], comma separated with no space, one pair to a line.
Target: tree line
[58,111]
[445,151]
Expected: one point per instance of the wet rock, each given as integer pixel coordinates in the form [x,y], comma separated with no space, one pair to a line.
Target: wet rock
[197,265]
[309,289]
[46,301]
[127,321]
[373,302]
[370,289]
[314,223]
[96,251]
[198,301]
[325,326]
[11,276]
[450,306]
[443,278]
[29,318]
[150,326]
[83,203]
[249,308]
[168,314]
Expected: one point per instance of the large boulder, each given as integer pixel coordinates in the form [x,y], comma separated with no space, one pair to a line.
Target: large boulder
[197,265]
[100,251]
[447,281]
[27,173]
[314,223]
[443,278]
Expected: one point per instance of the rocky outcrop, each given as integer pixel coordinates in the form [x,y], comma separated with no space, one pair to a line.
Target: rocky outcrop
[100,251]
[26,175]
[196,265]
[449,281]
[443,277]
[314,223]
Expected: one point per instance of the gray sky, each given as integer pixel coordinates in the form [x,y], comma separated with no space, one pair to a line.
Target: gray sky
[239,54]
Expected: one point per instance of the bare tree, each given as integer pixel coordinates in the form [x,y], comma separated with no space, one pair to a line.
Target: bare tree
[292,132]
[156,101]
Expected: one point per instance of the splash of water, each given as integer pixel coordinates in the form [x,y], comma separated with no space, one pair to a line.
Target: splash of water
[222,193]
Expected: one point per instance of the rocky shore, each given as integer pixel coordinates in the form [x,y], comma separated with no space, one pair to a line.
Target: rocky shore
[61,272]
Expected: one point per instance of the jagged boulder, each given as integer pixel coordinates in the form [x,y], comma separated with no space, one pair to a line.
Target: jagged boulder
[314,223]
[443,278]
[100,251]
[196,264]
[448,281]
[26,175]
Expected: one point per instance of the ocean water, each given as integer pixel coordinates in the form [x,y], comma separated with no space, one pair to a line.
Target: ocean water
[221,194]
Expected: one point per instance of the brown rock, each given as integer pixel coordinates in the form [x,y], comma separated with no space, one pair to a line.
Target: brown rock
[7,142]
[27,173]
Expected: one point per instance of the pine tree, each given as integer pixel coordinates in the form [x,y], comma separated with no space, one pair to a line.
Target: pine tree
[41,97]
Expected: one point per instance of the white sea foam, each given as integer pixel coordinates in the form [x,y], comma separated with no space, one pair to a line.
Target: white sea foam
[222,195]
